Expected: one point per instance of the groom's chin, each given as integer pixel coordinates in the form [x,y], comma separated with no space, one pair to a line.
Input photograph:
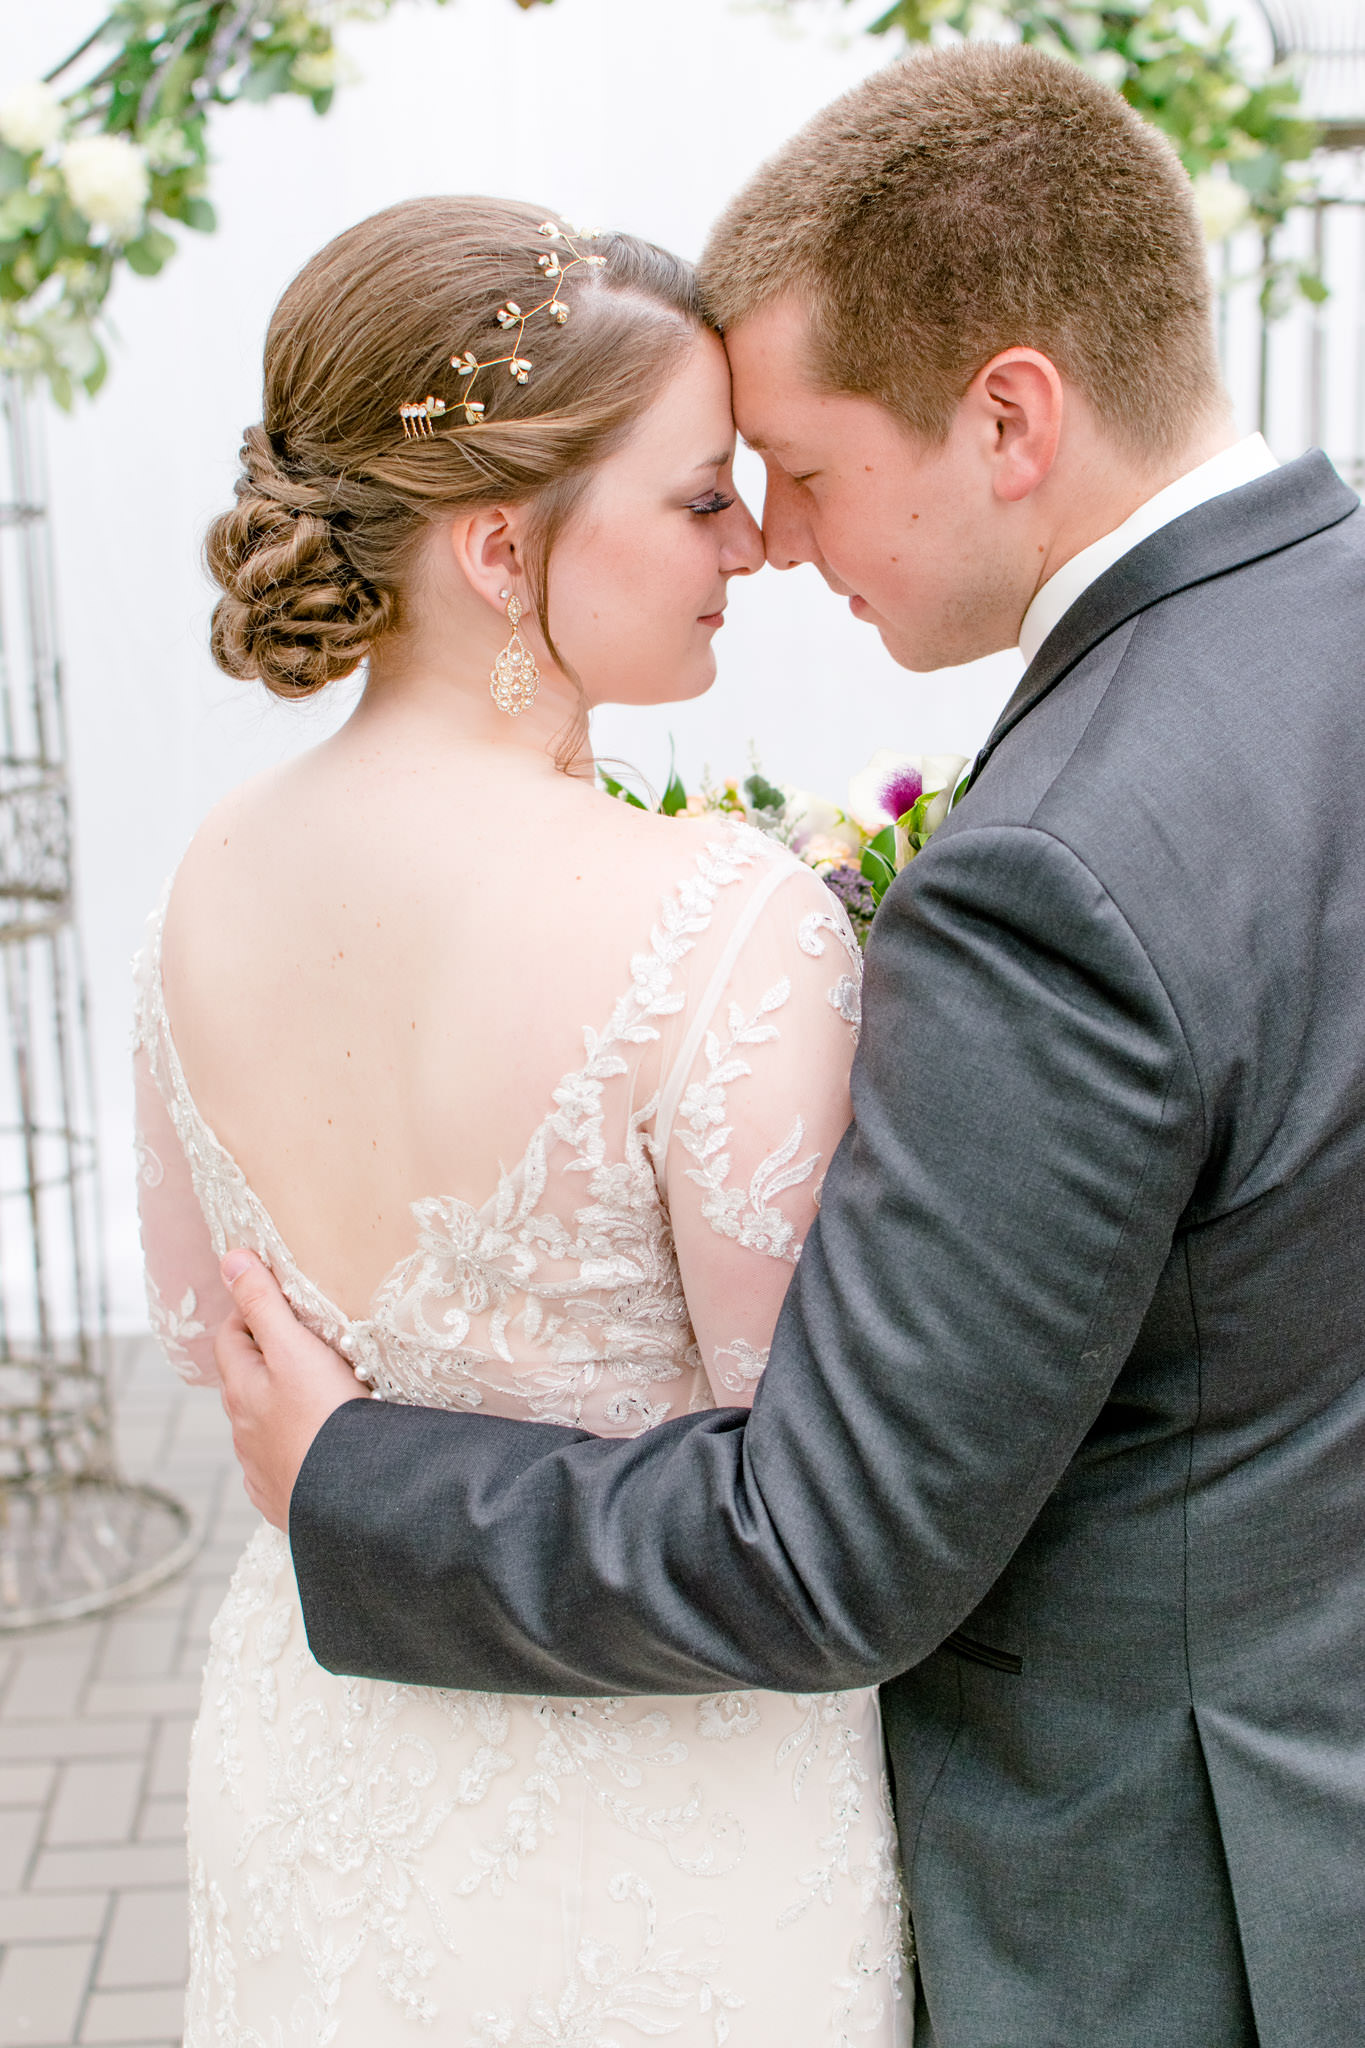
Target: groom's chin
[914,649]
[925,649]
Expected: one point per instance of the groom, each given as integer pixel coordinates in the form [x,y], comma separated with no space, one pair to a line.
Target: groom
[1063,1436]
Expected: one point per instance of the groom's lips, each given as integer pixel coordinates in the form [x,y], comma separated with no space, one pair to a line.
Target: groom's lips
[859,607]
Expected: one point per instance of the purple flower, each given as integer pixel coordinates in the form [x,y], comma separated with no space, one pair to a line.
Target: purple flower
[902,791]
[854,891]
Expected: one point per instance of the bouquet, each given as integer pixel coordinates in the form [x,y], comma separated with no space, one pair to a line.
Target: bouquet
[894,807]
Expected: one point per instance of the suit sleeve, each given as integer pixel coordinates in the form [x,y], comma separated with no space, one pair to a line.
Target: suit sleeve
[1027,1130]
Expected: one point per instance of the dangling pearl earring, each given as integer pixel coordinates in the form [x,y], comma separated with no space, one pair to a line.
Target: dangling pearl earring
[515,677]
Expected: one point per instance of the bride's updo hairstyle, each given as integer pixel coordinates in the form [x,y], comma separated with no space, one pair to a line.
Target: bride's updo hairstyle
[333,501]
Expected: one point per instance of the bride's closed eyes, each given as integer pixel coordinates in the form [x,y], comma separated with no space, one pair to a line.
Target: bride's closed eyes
[640,574]
[714,501]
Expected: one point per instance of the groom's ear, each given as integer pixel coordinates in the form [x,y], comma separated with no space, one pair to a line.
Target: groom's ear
[1018,400]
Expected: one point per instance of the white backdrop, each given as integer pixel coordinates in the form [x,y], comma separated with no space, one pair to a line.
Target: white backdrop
[642,114]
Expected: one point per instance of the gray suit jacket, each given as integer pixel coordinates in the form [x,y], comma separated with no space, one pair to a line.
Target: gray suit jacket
[1063,1437]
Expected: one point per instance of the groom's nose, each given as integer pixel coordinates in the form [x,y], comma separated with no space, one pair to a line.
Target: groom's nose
[787,538]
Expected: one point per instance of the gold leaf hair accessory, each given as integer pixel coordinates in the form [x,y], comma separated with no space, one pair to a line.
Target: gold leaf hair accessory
[417,416]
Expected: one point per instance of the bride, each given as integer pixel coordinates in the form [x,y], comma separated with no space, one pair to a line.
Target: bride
[526,1096]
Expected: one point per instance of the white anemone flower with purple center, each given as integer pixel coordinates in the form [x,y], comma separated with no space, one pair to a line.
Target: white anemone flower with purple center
[892,784]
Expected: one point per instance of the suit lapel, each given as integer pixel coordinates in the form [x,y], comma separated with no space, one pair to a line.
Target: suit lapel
[1260,518]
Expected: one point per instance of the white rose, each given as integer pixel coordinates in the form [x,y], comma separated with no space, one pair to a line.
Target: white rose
[106,176]
[1222,205]
[31,117]
[809,816]
[1108,66]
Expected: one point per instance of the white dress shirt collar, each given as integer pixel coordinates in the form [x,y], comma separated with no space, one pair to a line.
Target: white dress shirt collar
[1227,471]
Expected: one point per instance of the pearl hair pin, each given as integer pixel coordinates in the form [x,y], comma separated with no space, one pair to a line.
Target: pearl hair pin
[417,416]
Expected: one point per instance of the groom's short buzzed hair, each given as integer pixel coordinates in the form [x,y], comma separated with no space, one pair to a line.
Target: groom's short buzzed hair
[974,199]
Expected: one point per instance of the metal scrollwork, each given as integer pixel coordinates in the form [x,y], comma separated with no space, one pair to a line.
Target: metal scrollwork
[74,1536]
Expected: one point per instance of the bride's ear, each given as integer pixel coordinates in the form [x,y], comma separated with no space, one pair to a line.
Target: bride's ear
[486,548]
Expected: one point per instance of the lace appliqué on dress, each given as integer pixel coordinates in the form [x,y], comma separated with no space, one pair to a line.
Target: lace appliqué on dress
[360,1851]
[748,1215]
[174,1328]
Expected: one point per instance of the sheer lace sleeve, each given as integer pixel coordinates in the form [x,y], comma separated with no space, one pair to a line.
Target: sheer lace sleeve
[186,1300]
[754,1106]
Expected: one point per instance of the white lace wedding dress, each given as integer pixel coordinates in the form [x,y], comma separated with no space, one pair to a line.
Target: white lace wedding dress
[374,1863]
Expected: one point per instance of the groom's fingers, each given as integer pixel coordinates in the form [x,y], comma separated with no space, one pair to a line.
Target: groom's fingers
[296,1364]
[241,1380]
[279,1384]
[260,1302]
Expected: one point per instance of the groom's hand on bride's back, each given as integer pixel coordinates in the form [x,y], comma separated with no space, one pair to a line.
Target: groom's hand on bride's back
[279,1385]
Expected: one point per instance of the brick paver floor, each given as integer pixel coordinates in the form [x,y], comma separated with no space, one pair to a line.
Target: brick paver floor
[94,1727]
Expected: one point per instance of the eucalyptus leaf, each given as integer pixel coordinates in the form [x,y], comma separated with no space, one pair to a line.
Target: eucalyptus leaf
[22,212]
[13,170]
[764,795]
[145,256]
[264,80]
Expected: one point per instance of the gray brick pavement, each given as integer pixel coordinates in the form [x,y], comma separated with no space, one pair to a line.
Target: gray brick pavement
[94,1731]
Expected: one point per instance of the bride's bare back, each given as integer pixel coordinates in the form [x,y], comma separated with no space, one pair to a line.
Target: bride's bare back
[379,964]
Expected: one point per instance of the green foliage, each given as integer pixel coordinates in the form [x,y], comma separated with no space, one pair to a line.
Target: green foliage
[674,798]
[764,795]
[151,75]
[619,790]
[1183,75]
[878,862]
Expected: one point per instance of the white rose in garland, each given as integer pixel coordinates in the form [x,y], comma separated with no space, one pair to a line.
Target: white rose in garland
[108,180]
[107,155]
[31,118]
[1223,205]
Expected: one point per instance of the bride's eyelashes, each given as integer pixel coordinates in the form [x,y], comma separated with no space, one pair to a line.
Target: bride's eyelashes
[714,501]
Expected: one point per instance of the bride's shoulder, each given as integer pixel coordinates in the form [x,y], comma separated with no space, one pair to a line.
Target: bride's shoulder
[719,868]
[235,859]
[711,844]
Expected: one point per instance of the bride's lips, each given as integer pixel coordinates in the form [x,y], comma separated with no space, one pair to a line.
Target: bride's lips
[712,619]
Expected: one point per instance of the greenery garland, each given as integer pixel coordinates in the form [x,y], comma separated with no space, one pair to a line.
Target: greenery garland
[102,155]
[107,152]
